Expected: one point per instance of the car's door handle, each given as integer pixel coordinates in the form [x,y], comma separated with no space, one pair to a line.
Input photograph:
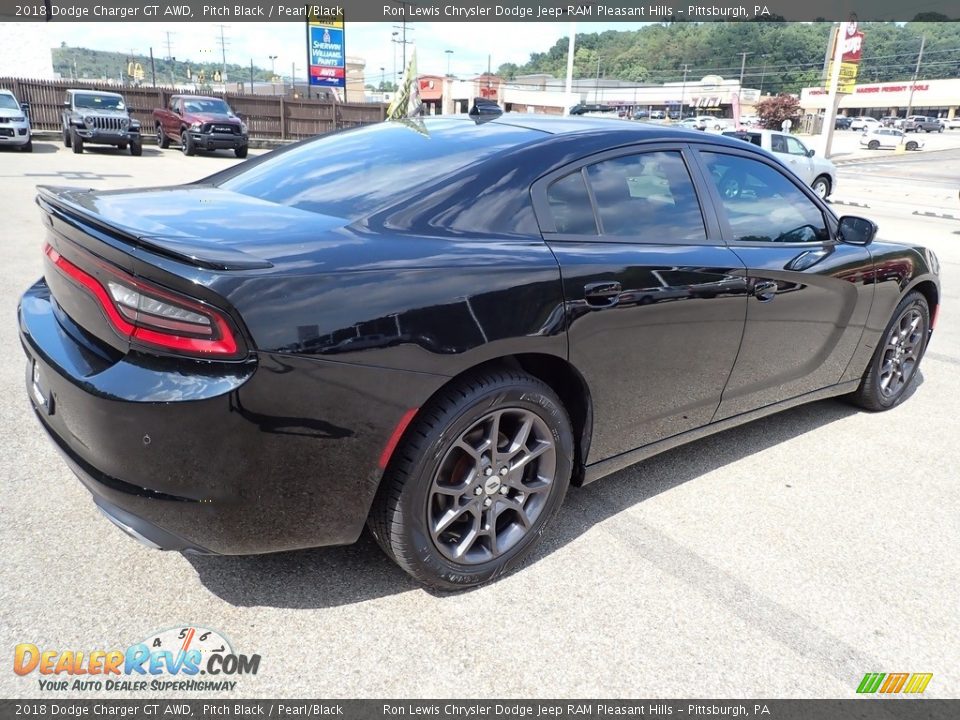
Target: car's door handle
[602,294]
[765,290]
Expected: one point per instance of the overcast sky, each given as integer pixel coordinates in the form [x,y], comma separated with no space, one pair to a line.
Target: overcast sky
[470,42]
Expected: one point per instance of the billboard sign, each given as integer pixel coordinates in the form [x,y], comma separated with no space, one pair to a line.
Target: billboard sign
[328,66]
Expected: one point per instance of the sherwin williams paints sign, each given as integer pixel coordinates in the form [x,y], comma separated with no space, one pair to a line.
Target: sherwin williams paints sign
[325,50]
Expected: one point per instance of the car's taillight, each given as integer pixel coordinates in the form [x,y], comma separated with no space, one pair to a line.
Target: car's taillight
[151,316]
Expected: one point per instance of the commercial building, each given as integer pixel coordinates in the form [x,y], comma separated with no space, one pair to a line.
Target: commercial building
[710,95]
[936,98]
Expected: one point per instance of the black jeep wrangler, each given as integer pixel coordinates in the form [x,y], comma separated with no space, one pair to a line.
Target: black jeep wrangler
[99,118]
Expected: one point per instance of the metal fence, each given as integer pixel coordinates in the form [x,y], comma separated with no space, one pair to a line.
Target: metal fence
[268,116]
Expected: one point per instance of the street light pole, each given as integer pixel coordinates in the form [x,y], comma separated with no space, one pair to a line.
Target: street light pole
[763,74]
[916,74]
[449,55]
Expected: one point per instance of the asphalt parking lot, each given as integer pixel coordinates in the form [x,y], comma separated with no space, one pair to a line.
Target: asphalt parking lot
[785,558]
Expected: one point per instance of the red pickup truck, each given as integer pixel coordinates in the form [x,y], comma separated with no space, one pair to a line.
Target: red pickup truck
[200,123]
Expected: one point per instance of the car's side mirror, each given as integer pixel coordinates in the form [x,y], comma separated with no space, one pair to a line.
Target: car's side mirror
[66,103]
[811,152]
[855,230]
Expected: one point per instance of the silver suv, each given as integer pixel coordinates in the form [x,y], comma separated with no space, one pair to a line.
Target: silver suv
[99,118]
[14,122]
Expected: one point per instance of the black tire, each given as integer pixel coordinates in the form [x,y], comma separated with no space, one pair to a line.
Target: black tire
[240,152]
[186,144]
[66,137]
[940,129]
[873,144]
[28,147]
[430,453]
[122,146]
[821,186]
[162,140]
[76,142]
[912,145]
[136,149]
[871,395]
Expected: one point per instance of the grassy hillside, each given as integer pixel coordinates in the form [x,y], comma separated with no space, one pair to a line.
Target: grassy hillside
[783,57]
[75,62]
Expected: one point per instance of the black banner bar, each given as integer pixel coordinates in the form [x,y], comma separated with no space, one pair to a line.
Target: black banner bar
[152,709]
[472,10]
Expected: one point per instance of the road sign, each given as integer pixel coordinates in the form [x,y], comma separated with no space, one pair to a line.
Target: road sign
[327,57]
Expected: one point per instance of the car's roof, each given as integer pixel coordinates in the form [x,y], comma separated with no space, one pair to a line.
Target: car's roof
[4,91]
[94,92]
[197,97]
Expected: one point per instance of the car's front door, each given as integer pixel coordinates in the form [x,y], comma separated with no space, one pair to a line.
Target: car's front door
[809,294]
[655,302]
[798,159]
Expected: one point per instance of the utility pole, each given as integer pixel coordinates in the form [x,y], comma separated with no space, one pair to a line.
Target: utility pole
[763,74]
[683,89]
[571,46]
[153,68]
[916,73]
[170,59]
[449,55]
[596,83]
[251,76]
[223,55]
[743,65]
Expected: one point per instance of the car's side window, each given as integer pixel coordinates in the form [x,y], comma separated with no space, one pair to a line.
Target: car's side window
[570,206]
[794,146]
[761,204]
[648,196]
[778,143]
[173,104]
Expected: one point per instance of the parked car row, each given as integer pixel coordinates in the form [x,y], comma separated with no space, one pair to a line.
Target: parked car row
[911,123]
[14,122]
[96,117]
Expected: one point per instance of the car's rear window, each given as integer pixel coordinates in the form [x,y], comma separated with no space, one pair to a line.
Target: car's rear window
[351,174]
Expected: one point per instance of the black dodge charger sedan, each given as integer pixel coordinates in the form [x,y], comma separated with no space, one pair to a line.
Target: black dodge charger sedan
[434,327]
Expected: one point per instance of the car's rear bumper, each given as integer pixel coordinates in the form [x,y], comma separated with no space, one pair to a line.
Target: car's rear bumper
[218,141]
[231,458]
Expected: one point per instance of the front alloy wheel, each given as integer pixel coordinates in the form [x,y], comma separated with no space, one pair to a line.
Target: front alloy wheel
[894,364]
[479,473]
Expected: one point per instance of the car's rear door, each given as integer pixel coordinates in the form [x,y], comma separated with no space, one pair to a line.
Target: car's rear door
[655,302]
[809,294]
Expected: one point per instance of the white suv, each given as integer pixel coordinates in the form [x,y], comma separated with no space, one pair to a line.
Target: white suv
[14,123]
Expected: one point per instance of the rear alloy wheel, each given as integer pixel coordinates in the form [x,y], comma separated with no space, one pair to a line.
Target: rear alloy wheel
[873,144]
[162,140]
[912,145]
[895,362]
[186,144]
[821,186]
[477,477]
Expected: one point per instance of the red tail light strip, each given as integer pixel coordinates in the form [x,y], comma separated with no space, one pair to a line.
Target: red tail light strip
[225,344]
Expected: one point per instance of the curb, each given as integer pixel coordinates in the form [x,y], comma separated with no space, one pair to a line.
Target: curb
[864,160]
[941,216]
[850,203]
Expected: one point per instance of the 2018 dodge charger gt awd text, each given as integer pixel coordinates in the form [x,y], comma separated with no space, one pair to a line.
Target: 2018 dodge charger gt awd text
[434,327]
